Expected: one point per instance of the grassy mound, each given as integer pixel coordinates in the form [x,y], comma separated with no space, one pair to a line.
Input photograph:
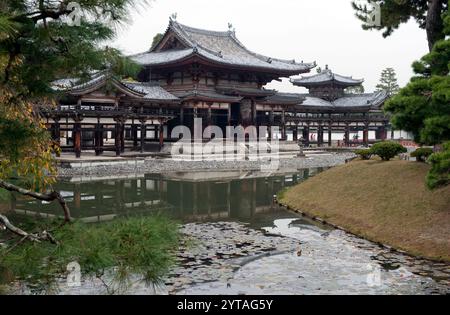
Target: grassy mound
[386,202]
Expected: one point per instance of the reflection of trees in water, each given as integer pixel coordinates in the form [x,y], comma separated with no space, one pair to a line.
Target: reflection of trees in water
[187,200]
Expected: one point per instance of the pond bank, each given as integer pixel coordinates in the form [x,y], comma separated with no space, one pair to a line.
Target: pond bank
[386,202]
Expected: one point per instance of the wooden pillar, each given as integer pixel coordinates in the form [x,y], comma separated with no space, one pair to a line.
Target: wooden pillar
[134,131]
[254,113]
[77,138]
[161,135]
[143,135]
[117,137]
[330,134]
[98,135]
[347,135]
[57,135]
[320,136]
[122,138]
[366,134]
[229,115]
[182,116]
[209,116]
[383,133]
[306,135]
[295,133]
[283,126]
[271,122]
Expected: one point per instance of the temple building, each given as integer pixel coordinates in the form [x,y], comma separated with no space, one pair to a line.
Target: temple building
[193,73]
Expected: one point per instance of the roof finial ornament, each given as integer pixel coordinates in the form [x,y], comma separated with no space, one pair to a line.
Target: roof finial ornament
[231,29]
[326,67]
[173,17]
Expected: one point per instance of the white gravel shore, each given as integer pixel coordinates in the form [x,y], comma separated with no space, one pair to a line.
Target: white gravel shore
[151,166]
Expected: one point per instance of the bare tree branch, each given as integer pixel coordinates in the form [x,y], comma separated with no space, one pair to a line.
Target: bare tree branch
[49,197]
[43,236]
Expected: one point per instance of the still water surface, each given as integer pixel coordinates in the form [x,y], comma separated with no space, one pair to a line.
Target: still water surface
[332,261]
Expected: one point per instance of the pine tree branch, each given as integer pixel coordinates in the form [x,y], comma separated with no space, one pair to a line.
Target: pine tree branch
[49,197]
[44,236]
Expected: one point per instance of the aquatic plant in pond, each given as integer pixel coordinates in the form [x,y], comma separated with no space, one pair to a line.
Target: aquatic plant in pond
[141,246]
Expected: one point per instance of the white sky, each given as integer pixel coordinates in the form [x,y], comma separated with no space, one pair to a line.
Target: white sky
[325,31]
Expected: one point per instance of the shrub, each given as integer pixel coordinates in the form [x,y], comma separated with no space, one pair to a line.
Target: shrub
[364,154]
[422,154]
[439,175]
[387,150]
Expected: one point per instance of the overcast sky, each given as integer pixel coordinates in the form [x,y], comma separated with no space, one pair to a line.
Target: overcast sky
[325,31]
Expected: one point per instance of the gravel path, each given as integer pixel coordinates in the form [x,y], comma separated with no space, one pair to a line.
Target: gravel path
[169,165]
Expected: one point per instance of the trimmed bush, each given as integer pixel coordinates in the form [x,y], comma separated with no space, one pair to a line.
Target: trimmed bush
[388,149]
[422,154]
[364,154]
[439,175]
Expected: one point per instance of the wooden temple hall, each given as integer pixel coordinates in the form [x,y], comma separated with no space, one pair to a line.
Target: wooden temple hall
[194,73]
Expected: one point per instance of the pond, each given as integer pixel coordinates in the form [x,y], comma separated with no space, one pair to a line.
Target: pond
[245,243]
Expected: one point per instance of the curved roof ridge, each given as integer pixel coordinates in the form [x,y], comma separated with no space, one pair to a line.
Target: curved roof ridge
[264,57]
[202,31]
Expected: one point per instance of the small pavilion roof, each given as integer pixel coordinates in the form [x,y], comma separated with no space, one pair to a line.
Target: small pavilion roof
[145,91]
[220,48]
[327,77]
[347,103]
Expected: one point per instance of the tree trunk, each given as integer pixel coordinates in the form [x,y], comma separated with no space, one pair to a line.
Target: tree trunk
[434,23]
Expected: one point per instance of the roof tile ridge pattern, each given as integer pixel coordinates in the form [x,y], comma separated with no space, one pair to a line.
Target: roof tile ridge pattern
[180,30]
[231,35]
[263,57]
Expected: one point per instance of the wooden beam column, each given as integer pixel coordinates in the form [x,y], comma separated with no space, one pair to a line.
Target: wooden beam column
[98,135]
[117,137]
[122,137]
[143,135]
[283,126]
[320,135]
[271,122]
[306,135]
[330,134]
[295,132]
[366,134]
[161,135]
[347,134]
[57,134]
[134,132]
[77,136]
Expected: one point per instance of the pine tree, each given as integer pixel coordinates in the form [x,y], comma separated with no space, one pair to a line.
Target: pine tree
[156,39]
[358,89]
[422,107]
[37,46]
[388,82]
[393,13]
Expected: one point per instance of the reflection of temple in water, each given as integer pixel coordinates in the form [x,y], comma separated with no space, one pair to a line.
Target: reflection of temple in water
[246,199]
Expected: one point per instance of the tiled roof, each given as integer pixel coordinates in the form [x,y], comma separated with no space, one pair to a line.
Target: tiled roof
[349,101]
[284,99]
[150,91]
[207,96]
[361,100]
[219,47]
[146,91]
[326,77]
[240,91]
